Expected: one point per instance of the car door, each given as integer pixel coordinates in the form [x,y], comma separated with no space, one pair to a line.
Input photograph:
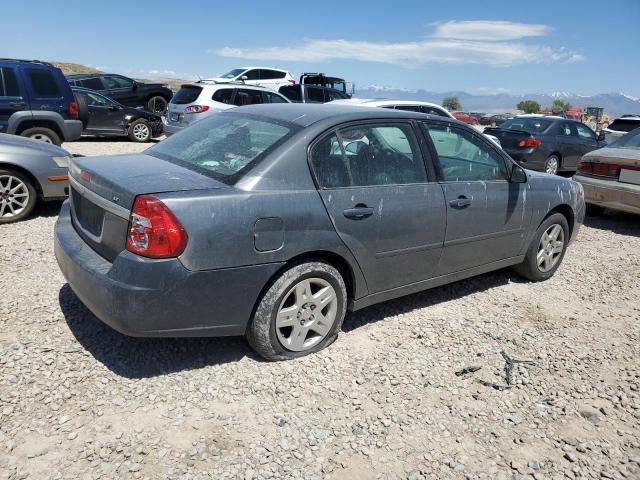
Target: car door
[372,180]
[121,89]
[105,116]
[485,211]
[587,141]
[12,96]
[314,94]
[568,144]
[44,91]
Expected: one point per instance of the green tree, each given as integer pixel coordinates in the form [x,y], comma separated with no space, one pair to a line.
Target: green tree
[559,106]
[529,106]
[451,103]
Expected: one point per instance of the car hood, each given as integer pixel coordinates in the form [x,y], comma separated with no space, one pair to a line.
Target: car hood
[135,113]
[629,156]
[14,144]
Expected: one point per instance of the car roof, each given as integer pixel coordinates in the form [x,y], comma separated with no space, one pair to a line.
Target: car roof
[386,101]
[306,114]
[232,84]
[264,68]
[552,117]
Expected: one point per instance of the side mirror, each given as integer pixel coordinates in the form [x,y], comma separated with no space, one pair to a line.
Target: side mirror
[518,175]
[601,136]
[243,78]
[114,108]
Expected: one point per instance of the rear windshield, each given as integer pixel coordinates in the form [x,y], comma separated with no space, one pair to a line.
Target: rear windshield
[223,146]
[186,94]
[624,125]
[529,125]
[630,140]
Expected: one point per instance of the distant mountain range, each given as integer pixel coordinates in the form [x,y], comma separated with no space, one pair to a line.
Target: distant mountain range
[614,104]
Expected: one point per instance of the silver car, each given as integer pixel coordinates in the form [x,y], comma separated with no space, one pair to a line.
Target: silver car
[30,170]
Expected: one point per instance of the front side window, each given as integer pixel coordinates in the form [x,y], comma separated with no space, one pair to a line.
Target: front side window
[408,108]
[8,83]
[366,155]
[464,157]
[585,132]
[252,74]
[233,73]
[95,100]
[434,111]
[223,95]
[247,97]
[43,83]
[565,130]
[116,81]
[223,145]
[92,83]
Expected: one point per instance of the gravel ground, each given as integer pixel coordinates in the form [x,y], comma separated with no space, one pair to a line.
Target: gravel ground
[78,400]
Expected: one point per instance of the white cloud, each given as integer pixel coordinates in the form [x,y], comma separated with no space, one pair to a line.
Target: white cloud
[489,30]
[481,42]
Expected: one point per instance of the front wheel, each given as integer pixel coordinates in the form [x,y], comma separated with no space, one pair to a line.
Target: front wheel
[139,131]
[547,249]
[17,196]
[300,313]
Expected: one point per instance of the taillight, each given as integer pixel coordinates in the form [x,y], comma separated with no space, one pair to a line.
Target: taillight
[529,142]
[292,82]
[154,231]
[196,108]
[73,110]
[585,167]
[611,170]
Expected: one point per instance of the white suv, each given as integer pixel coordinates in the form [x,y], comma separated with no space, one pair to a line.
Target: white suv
[273,78]
[198,100]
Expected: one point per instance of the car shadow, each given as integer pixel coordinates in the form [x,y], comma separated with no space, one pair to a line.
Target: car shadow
[47,209]
[136,358]
[429,298]
[118,139]
[618,222]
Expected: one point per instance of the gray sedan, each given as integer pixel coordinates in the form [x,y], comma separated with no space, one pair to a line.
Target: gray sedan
[272,221]
[29,169]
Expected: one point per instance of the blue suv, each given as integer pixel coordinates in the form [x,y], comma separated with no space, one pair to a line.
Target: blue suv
[36,101]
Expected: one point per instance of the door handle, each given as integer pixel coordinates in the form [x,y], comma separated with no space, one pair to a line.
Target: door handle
[358,212]
[460,202]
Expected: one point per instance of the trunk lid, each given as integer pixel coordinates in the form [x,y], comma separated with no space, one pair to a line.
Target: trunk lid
[103,189]
[509,139]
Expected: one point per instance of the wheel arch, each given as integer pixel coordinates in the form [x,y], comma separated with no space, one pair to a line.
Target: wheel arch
[25,172]
[40,123]
[565,210]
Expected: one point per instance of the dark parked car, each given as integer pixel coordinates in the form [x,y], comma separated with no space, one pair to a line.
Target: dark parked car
[154,97]
[311,94]
[610,176]
[494,120]
[30,171]
[107,118]
[36,102]
[545,143]
[274,220]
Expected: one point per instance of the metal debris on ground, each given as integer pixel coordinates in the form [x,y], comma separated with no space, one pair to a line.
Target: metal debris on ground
[510,363]
[466,370]
[495,386]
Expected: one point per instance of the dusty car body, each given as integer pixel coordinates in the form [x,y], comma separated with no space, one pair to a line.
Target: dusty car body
[387,211]
[610,176]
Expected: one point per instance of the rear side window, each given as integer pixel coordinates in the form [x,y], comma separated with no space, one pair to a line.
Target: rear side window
[247,97]
[364,155]
[92,83]
[43,83]
[315,95]
[271,74]
[624,125]
[434,111]
[223,95]
[223,145]
[8,83]
[270,97]
[186,94]
[409,108]
[292,92]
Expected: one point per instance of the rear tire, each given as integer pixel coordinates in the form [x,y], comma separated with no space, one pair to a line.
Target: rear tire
[42,134]
[300,313]
[544,246]
[593,210]
[552,165]
[157,105]
[17,193]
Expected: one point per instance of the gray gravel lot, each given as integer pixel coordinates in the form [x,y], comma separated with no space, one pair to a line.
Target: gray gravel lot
[78,400]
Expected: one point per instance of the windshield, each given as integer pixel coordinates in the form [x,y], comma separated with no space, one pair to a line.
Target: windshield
[233,73]
[224,145]
[630,140]
[529,125]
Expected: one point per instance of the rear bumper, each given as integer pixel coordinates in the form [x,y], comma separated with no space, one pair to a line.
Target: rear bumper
[610,193]
[169,129]
[72,130]
[529,158]
[158,298]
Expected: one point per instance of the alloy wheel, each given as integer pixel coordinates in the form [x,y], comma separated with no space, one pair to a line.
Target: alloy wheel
[158,105]
[14,196]
[550,248]
[552,165]
[141,131]
[306,314]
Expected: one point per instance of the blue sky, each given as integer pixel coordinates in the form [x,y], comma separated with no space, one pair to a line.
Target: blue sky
[584,47]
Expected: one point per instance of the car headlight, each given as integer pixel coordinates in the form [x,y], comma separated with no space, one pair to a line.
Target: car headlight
[62,162]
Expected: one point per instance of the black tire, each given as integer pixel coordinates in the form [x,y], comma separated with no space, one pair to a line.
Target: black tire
[157,105]
[83,109]
[593,210]
[30,190]
[549,160]
[261,333]
[529,267]
[43,134]
[135,131]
